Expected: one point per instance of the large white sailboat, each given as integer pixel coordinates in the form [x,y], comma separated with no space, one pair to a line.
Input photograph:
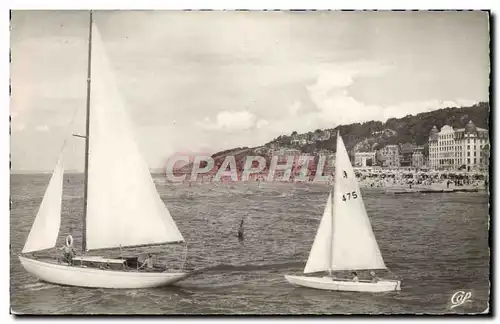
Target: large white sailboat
[344,240]
[121,205]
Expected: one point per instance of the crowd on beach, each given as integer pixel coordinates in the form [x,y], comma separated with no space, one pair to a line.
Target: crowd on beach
[385,179]
[423,179]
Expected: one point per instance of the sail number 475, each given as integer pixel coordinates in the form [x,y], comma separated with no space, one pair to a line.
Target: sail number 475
[349,195]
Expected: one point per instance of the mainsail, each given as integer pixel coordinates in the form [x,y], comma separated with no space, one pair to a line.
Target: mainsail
[45,229]
[347,242]
[123,206]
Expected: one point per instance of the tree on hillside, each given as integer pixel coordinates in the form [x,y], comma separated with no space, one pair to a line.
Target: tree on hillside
[294,133]
[286,141]
[413,129]
[309,148]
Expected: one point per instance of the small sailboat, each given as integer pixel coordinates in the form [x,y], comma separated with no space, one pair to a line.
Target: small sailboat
[344,240]
[121,205]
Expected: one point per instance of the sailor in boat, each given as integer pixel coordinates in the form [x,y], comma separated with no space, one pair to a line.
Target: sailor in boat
[67,251]
[355,277]
[104,266]
[148,263]
[68,254]
[374,278]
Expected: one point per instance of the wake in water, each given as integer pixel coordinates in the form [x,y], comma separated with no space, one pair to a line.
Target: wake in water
[40,285]
[286,194]
[228,268]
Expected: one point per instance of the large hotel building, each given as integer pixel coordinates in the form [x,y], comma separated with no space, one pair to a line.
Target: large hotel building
[452,149]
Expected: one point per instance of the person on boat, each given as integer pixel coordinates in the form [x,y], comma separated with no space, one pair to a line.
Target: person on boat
[104,266]
[148,263]
[68,254]
[355,277]
[374,278]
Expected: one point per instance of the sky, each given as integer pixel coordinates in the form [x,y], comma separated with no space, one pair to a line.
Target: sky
[209,81]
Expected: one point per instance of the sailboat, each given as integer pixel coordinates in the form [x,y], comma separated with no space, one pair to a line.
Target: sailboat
[121,205]
[344,240]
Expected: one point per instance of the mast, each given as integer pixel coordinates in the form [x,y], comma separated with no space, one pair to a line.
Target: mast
[87,134]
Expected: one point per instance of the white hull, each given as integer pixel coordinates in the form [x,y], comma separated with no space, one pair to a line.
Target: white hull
[328,283]
[97,278]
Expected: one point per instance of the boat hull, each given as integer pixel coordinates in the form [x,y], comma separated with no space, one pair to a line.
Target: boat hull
[328,283]
[98,278]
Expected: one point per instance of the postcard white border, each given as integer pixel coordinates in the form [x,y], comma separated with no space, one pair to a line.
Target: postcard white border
[179,4]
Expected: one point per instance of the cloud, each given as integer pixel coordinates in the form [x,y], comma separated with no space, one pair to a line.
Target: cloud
[327,102]
[330,94]
[261,124]
[230,121]
[42,128]
[294,108]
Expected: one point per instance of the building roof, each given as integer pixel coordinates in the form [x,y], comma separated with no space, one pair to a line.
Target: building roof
[478,129]
[407,147]
[434,133]
[470,127]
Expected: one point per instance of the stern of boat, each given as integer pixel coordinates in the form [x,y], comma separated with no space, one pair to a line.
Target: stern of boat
[398,285]
[292,280]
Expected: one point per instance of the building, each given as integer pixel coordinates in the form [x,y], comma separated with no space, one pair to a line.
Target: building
[363,159]
[292,152]
[417,158]
[324,152]
[261,150]
[389,156]
[451,149]
[321,136]
[485,157]
[326,135]
[299,139]
[406,154]
[316,137]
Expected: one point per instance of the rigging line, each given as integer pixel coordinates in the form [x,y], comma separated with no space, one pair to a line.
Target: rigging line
[72,122]
[66,132]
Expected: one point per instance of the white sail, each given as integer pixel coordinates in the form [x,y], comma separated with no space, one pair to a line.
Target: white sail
[354,245]
[45,229]
[123,206]
[322,246]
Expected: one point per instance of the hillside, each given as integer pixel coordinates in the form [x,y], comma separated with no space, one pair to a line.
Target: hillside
[409,129]
[373,135]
